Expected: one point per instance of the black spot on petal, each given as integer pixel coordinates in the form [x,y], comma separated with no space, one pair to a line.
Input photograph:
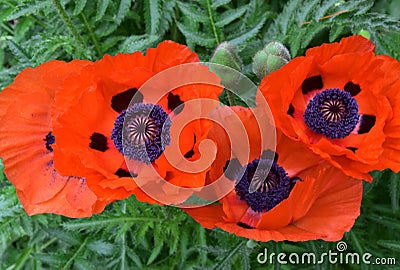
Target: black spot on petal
[294,180]
[189,154]
[352,149]
[290,110]
[366,123]
[244,225]
[232,169]
[174,101]
[121,101]
[98,142]
[311,84]
[352,88]
[124,173]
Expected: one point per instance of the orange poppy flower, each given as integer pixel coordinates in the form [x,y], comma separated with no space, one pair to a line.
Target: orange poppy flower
[110,121]
[291,197]
[341,101]
[27,144]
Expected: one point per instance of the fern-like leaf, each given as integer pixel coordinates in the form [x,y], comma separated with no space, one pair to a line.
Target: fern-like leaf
[229,16]
[217,3]
[138,43]
[123,9]
[101,8]
[25,9]
[247,35]
[193,12]
[79,6]
[152,9]
[197,38]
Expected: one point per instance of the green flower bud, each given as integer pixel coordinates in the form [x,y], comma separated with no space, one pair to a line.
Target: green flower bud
[227,55]
[278,49]
[271,58]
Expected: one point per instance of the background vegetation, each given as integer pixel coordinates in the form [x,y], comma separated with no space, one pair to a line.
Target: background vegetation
[132,235]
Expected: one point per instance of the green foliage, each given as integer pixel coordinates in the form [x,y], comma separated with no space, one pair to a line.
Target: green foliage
[134,235]
[304,24]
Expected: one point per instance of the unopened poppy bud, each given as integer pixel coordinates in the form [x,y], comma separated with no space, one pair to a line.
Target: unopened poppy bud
[278,49]
[227,55]
[271,58]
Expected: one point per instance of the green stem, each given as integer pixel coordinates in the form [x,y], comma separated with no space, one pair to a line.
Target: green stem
[7,28]
[212,21]
[203,243]
[394,192]
[315,251]
[75,254]
[48,243]
[231,97]
[123,251]
[22,259]
[91,34]
[5,224]
[38,21]
[123,242]
[231,253]
[118,220]
[356,242]
[68,22]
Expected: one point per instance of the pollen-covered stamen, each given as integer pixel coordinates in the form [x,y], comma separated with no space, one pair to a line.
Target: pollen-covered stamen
[141,132]
[333,113]
[333,110]
[141,129]
[263,180]
[269,182]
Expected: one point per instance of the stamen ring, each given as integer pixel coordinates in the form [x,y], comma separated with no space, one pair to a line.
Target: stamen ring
[333,113]
[141,132]
[273,185]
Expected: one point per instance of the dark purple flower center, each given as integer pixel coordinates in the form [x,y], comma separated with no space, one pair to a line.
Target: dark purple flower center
[141,132]
[270,182]
[333,113]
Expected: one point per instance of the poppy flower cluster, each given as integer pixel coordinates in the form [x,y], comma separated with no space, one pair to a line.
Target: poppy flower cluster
[77,136]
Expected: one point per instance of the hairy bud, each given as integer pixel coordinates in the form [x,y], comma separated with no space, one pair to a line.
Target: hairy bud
[271,58]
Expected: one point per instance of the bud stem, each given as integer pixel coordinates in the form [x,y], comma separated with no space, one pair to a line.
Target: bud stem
[210,15]
[231,98]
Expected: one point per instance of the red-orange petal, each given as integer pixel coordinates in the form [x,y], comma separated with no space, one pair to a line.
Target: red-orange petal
[169,54]
[335,209]
[352,44]
[25,122]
